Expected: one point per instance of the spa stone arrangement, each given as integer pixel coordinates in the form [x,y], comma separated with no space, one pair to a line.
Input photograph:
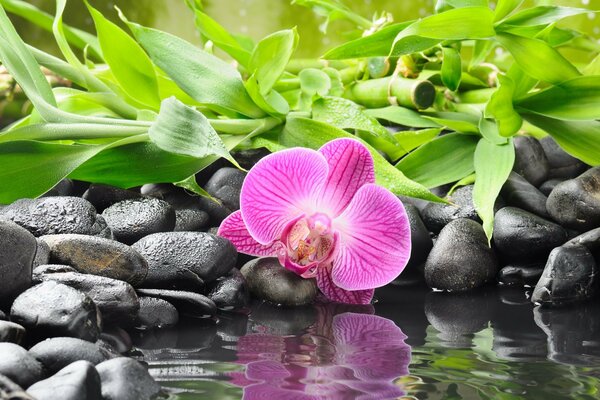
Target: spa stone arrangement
[86,265]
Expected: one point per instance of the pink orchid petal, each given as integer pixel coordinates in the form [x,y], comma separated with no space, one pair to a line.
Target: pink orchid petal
[374,240]
[337,294]
[280,187]
[350,167]
[234,229]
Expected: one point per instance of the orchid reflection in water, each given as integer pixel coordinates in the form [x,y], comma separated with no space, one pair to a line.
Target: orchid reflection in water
[347,356]
[323,216]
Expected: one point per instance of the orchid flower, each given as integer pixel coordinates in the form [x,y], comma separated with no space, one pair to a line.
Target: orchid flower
[322,215]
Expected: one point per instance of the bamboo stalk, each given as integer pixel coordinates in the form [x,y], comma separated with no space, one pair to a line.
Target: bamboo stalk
[375,93]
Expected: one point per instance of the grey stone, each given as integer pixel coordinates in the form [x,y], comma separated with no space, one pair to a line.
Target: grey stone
[39,272]
[530,160]
[190,219]
[188,303]
[103,196]
[461,258]
[522,236]
[570,275]
[230,291]
[576,203]
[562,164]
[185,260]
[53,309]
[268,280]
[17,252]
[126,379]
[117,338]
[518,192]
[19,366]
[56,353]
[131,220]
[226,185]
[156,313]
[437,215]
[98,256]
[11,332]
[55,215]
[11,391]
[77,381]
[42,255]
[547,187]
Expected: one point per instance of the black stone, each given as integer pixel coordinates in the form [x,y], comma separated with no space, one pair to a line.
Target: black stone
[185,260]
[522,236]
[530,160]
[11,391]
[77,381]
[461,258]
[52,309]
[2,316]
[576,203]
[19,366]
[217,211]
[437,215]
[190,219]
[98,256]
[11,332]
[39,272]
[115,299]
[42,256]
[248,158]
[57,353]
[521,275]
[55,215]
[131,220]
[518,192]
[421,243]
[126,379]
[570,275]
[590,240]
[230,291]
[188,303]
[268,280]
[17,252]
[103,196]
[226,185]
[547,187]
[562,164]
[156,313]
[62,188]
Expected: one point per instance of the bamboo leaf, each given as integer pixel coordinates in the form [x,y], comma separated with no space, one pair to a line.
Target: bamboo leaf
[505,7]
[401,116]
[270,57]
[451,68]
[493,164]
[443,160]
[541,16]
[501,108]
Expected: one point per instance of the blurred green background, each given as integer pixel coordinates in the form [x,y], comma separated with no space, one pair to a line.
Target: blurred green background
[257,18]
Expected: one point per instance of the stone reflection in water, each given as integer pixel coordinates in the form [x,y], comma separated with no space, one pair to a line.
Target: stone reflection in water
[341,355]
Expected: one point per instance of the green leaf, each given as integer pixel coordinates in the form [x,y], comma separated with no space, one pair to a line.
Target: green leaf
[272,102]
[451,68]
[455,24]
[129,64]
[523,83]
[334,10]
[270,57]
[314,82]
[576,99]
[541,16]
[410,140]
[581,139]
[505,7]
[501,108]
[493,164]
[481,50]
[401,116]
[456,121]
[467,3]
[538,59]
[314,134]
[443,160]
[205,78]
[190,184]
[489,130]
[593,68]
[182,130]
[378,44]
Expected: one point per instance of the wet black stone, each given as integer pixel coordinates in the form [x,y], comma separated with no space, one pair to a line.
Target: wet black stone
[11,391]
[62,188]
[248,158]
[55,215]
[277,320]
[226,185]
[126,379]
[17,252]
[421,243]
[77,381]
[42,256]
[98,256]
[117,338]
[576,203]
[49,269]
[437,215]
[19,366]
[547,187]
[562,164]
[52,309]
[216,211]
[190,219]
[461,258]
[522,236]
[57,353]
[521,275]
[570,275]
[229,291]
[11,332]
[268,280]
[518,192]
[590,240]
[530,160]
[131,220]
[188,303]
[156,313]
[115,299]
[185,260]
[103,196]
